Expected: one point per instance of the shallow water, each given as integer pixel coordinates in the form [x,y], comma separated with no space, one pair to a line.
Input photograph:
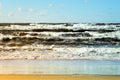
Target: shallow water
[60,67]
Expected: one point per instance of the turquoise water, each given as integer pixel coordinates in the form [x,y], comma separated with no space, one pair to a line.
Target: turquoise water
[100,67]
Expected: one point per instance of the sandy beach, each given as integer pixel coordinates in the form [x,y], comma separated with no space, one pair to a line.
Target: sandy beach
[58,77]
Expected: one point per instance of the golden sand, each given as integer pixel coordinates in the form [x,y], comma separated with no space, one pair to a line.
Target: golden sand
[58,77]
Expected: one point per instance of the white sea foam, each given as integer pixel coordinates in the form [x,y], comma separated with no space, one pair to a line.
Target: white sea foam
[50,26]
[88,35]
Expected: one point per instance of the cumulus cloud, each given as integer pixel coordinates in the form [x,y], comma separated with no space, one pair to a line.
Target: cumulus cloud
[50,5]
[20,9]
[25,10]
[0,5]
[60,5]
[42,13]
[31,10]
[0,14]
[10,14]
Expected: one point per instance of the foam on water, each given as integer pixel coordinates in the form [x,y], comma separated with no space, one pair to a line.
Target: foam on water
[60,41]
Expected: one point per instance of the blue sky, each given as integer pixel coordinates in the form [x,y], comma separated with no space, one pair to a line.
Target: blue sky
[59,10]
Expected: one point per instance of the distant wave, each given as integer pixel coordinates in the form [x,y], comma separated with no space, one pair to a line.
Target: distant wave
[61,33]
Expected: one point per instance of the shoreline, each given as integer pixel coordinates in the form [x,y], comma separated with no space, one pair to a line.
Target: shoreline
[60,67]
[60,59]
[47,53]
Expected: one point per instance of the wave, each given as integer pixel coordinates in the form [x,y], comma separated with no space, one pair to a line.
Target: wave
[60,41]
[61,33]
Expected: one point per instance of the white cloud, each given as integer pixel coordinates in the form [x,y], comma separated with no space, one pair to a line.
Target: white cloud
[42,13]
[25,10]
[0,14]
[20,9]
[10,14]
[0,5]
[31,10]
[50,5]
[60,5]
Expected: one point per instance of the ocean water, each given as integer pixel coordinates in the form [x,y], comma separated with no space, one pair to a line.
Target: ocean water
[97,67]
[74,48]
[60,41]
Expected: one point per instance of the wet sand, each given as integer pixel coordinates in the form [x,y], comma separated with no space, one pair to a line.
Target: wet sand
[58,77]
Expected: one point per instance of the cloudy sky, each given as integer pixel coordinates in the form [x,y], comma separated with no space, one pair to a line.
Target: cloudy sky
[59,10]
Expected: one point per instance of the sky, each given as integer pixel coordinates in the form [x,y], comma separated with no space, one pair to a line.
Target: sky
[55,11]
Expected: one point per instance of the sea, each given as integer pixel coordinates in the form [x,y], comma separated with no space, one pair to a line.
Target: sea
[60,48]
